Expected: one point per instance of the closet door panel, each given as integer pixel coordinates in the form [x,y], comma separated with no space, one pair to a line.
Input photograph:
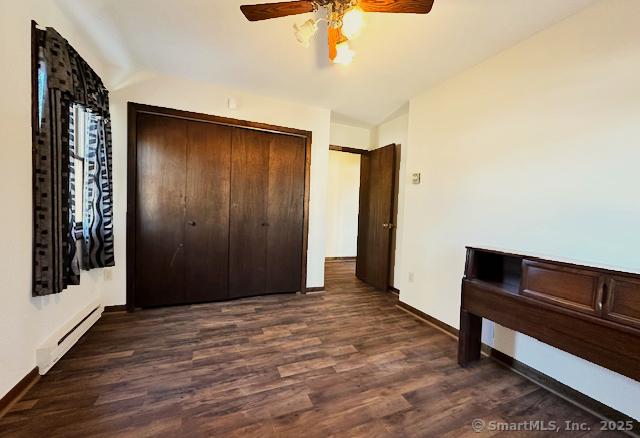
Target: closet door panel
[208,170]
[161,153]
[285,213]
[248,221]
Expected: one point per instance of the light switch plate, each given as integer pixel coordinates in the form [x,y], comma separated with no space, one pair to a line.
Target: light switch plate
[415,178]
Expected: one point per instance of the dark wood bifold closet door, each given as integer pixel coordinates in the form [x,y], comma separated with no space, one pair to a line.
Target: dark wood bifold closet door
[267,213]
[248,214]
[182,238]
[206,232]
[160,261]
[219,210]
[375,216]
[285,213]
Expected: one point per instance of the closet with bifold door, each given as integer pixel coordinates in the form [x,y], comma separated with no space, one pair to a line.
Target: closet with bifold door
[219,210]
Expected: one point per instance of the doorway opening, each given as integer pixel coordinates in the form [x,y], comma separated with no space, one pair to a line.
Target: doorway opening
[362,211]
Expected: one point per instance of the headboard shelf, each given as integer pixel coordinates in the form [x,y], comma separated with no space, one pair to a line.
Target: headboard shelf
[590,312]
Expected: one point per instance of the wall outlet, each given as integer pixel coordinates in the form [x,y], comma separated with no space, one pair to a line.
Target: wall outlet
[410,277]
[107,275]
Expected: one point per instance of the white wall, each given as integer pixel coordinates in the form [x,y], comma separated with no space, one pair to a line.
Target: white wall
[534,150]
[26,322]
[343,194]
[396,130]
[206,98]
[350,136]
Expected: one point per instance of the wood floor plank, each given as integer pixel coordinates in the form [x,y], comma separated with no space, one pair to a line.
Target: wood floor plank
[343,363]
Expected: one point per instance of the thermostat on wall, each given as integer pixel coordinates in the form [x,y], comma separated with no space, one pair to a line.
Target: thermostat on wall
[415,178]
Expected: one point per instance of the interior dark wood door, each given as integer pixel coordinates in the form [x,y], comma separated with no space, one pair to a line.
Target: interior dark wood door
[285,212]
[374,219]
[206,234]
[160,210]
[248,213]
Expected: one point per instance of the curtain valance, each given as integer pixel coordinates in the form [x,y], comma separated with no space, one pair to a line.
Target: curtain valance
[70,73]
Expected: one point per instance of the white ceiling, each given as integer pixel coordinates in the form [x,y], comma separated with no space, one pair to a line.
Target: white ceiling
[398,55]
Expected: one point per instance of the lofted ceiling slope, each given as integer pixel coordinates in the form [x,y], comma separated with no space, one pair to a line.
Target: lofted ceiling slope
[398,55]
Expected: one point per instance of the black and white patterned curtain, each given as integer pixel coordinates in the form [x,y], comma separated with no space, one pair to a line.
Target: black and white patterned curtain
[97,229]
[65,79]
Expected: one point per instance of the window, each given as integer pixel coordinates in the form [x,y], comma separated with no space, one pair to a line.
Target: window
[78,130]
[71,161]
[42,90]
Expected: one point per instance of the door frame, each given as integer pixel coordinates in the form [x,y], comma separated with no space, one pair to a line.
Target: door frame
[133,109]
[393,242]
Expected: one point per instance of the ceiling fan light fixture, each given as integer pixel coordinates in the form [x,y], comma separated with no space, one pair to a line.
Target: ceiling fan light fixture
[352,23]
[344,18]
[306,31]
[344,54]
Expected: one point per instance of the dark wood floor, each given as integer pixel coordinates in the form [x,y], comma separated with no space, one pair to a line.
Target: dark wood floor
[344,363]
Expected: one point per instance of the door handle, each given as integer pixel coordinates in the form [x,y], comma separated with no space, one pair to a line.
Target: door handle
[389,226]
[605,295]
[192,223]
[265,224]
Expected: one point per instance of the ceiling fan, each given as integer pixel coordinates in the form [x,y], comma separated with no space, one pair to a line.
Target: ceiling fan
[344,18]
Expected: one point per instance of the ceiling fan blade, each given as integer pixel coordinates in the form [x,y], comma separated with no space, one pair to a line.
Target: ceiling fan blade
[397,6]
[275,10]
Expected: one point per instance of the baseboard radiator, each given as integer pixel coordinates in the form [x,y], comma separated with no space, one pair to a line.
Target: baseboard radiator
[64,338]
